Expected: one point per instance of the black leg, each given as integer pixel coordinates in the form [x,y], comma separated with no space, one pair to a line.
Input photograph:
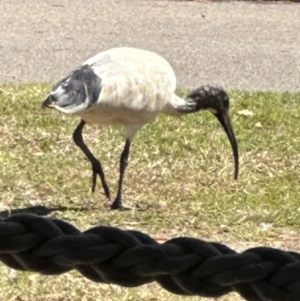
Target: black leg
[96,165]
[117,204]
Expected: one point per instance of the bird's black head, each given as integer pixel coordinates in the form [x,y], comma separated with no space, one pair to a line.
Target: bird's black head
[77,91]
[216,100]
[212,98]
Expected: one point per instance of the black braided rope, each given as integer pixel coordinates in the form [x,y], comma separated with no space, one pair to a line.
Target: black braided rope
[184,266]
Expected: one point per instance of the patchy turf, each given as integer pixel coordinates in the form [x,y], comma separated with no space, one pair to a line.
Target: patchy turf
[179,181]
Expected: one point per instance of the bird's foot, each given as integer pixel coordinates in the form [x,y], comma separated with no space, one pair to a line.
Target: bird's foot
[117,205]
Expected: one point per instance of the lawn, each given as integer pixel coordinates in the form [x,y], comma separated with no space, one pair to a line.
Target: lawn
[179,182]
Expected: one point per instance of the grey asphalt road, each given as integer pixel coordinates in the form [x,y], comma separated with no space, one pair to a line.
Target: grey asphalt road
[241,45]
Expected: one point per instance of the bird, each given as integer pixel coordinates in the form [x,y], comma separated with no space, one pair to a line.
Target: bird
[128,87]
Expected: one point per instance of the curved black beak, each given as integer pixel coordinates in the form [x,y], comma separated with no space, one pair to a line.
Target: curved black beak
[224,119]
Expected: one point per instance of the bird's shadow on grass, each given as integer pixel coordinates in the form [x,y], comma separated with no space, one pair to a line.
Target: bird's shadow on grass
[38,210]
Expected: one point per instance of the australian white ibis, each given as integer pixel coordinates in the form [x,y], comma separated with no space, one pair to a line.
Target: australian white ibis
[129,87]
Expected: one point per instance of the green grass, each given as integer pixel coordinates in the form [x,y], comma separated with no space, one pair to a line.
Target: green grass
[179,181]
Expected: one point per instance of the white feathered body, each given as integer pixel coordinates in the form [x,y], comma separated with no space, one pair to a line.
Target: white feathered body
[136,85]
